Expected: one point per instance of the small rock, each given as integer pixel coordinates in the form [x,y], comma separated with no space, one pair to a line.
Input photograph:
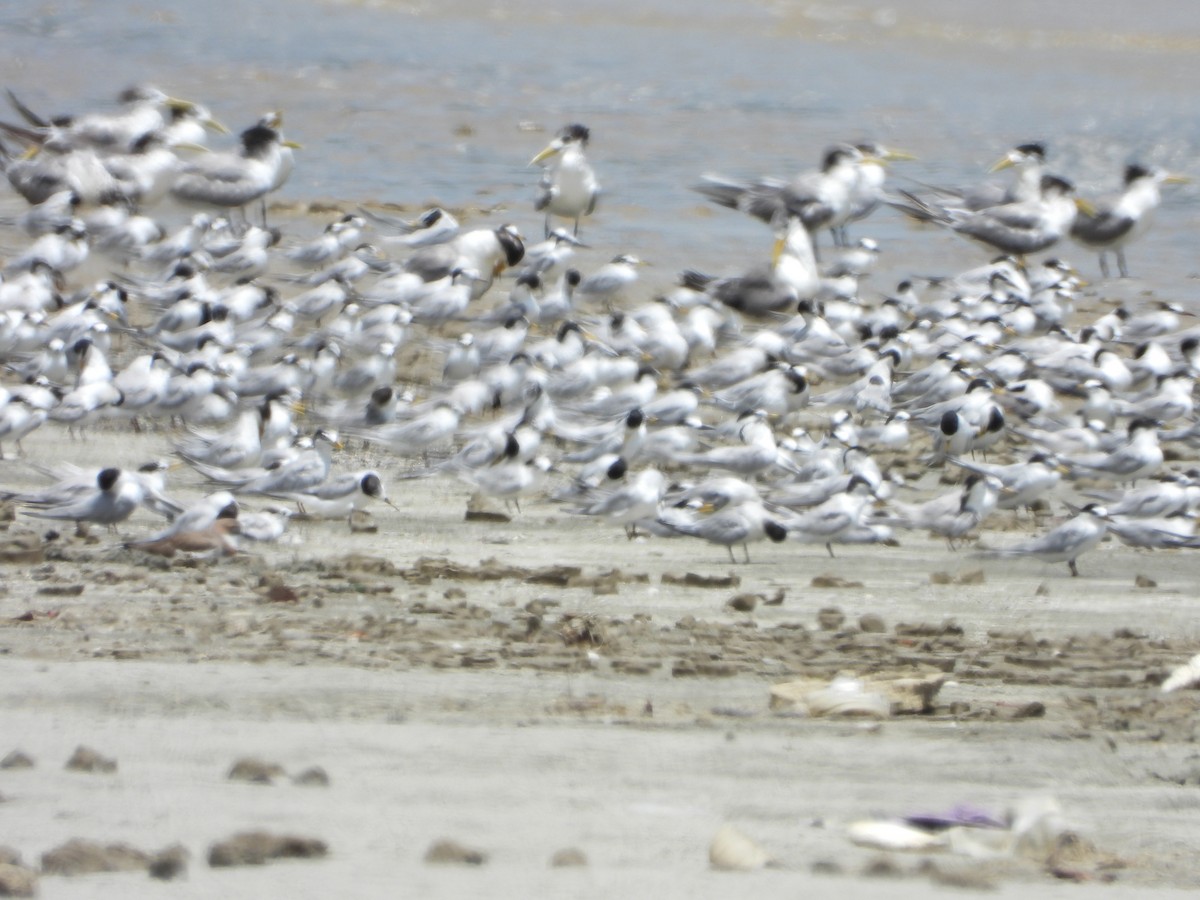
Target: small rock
[314,776]
[830,618]
[85,759]
[872,624]
[169,863]
[1144,581]
[254,848]
[743,602]
[17,760]
[80,857]
[732,851]
[882,867]
[833,581]
[827,867]
[255,771]
[17,881]
[445,851]
[9,856]
[567,858]
[281,593]
[25,548]
[692,579]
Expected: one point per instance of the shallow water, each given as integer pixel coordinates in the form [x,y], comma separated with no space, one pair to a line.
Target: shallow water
[414,102]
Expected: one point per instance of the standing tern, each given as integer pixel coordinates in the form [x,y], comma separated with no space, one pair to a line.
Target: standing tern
[568,186]
[1116,222]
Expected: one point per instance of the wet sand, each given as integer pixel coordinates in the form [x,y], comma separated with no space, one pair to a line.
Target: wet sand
[500,685]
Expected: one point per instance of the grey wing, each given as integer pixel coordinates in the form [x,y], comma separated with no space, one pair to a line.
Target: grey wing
[432,263]
[337,487]
[1100,229]
[545,191]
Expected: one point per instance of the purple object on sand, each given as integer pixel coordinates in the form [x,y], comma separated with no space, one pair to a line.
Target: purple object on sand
[963,814]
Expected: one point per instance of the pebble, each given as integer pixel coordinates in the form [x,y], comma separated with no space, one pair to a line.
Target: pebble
[254,848]
[448,852]
[85,759]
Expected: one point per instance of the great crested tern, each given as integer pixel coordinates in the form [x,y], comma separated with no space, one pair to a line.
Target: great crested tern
[113,499]
[235,180]
[742,522]
[1065,542]
[145,109]
[485,252]
[1018,228]
[338,496]
[1139,457]
[1115,222]
[637,499]
[610,281]
[434,226]
[568,187]
[791,276]
[1029,161]
[820,199]
[867,193]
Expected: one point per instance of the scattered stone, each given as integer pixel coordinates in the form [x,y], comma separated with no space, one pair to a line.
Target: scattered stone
[871,623]
[833,581]
[25,548]
[314,776]
[581,629]
[254,848]
[975,576]
[732,851]
[1144,581]
[448,852]
[882,867]
[569,857]
[827,867]
[691,579]
[9,856]
[776,599]
[169,863]
[743,602]
[81,857]
[85,759]
[255,771]
[61,590]
[281,593]
[17,881]
[17,760]
[830,618]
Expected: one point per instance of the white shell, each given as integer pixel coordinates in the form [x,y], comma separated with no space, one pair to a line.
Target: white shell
[883,835]
[731,850]
[1184,676]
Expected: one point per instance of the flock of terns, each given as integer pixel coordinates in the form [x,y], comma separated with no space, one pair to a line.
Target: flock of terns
[779,403]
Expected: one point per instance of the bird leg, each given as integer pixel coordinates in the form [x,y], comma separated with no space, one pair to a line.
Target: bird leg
[746,550]
[829,547]
[1121,267]
[1074,571]
[1104,263]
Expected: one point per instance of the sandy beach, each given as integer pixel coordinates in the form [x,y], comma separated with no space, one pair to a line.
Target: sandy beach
[529,687]
[581,713]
